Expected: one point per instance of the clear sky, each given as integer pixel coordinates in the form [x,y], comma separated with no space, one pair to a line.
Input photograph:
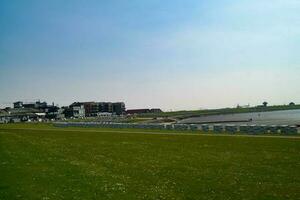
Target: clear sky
[172,54]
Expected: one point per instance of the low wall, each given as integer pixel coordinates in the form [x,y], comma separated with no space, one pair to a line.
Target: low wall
[215,128]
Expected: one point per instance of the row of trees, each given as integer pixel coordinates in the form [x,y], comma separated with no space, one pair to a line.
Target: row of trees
[265,104]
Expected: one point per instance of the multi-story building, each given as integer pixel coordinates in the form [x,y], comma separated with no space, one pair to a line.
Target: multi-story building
[91,108]
[54,112]
[18,104]
[119,108]
[94,108]
[35,105]
[22,114]
[108,107]
[75,110]
[78,111]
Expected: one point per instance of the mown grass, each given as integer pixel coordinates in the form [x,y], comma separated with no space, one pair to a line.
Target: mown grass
[44,162]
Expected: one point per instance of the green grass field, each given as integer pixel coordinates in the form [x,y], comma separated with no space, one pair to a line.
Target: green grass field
[43,162]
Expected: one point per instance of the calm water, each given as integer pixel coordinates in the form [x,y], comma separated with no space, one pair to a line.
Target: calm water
[287,117]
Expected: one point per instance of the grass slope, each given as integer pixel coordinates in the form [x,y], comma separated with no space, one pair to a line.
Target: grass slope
[196,113]
[51,163]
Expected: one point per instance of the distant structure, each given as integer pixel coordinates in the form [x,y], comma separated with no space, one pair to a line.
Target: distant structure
[143,111]
[41,111]
[75,110]
[34,111]
[35,105]
[18,104]
[92,109]
[119,108]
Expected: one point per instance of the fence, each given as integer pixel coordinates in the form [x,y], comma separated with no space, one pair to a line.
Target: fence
[215,128]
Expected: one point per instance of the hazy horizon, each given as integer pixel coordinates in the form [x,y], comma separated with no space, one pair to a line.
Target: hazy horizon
[173,55]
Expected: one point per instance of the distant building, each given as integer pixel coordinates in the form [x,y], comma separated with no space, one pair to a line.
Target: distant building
[35,105]
[76,110]
[4,116]
[29,105]
[54,112]
[18,104]
[67,111]
[93,108]
[155,110]
[119,108]
[38,110]
[49,111]
[108,107]
[143,111]
[21,114]
[137,111]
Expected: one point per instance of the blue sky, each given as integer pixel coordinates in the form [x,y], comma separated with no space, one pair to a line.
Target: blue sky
[170,54]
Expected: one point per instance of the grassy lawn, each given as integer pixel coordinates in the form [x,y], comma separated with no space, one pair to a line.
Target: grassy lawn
[43,162]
